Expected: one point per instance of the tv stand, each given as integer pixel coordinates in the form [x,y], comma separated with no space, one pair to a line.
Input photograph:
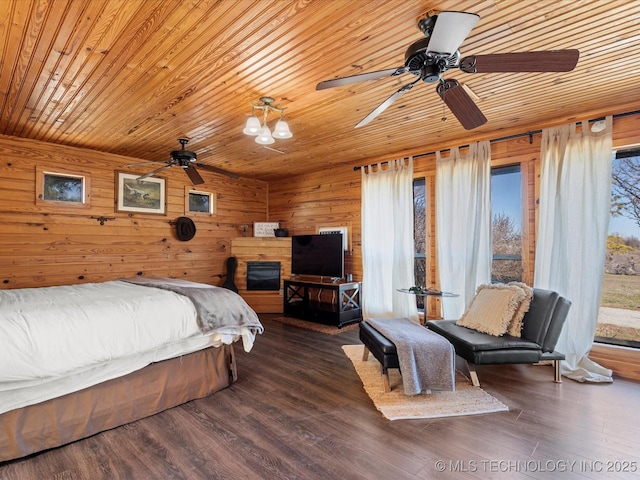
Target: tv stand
[331,303]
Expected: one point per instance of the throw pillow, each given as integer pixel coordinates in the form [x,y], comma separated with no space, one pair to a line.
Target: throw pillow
[515,327]
[492,308]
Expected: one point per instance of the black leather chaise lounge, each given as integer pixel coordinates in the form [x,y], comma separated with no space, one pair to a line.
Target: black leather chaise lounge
[542,325]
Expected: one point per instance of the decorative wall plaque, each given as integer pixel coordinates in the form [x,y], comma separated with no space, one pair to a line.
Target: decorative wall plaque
[265,229]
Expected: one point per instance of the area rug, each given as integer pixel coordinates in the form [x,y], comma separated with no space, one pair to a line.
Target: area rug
[316,327]
[395,405]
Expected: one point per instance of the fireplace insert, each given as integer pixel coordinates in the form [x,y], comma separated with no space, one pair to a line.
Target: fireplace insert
[263,275]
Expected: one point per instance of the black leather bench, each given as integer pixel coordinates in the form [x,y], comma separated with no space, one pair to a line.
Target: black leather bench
[382,349]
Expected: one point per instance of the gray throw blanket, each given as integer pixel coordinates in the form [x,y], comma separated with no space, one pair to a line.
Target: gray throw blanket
[217,308]
[427,360]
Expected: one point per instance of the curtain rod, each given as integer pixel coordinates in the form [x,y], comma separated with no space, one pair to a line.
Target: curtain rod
[529,134]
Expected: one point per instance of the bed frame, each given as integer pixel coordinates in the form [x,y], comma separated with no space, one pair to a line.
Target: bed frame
[116,402]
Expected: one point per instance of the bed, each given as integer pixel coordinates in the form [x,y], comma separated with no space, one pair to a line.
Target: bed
[80,359]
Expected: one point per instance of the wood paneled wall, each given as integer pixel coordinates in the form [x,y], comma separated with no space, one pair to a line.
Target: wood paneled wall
[329,198]
[43,245]
[333,197]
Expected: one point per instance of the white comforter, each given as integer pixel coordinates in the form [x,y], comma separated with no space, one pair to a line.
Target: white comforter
[53,333]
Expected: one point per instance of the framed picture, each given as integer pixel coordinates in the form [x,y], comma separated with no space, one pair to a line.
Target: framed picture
[62,189]
[198,203]
[265,229]
[140,196]
[341,229]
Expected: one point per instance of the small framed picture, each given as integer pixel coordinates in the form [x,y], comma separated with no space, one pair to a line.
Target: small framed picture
[140,196]
[62,188]
[198,203]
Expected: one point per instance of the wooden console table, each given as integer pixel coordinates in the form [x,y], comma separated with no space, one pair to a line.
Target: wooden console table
[304,299]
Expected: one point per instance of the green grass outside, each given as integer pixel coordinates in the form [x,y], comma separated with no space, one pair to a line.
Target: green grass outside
[621,291]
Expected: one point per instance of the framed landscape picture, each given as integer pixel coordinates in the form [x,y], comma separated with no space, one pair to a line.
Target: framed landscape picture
[198,203]
[62,188]
[140,196]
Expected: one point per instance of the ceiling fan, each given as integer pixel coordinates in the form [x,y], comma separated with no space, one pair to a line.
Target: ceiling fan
[188,161]
[430,57]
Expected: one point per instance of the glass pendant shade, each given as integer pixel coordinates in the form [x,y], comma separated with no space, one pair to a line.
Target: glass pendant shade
[282,130]
[258,128]
[253,126]
[264,137]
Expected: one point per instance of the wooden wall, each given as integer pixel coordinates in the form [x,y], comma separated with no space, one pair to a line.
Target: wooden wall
[42,245]
[304,203]
[323,199]
[333,197]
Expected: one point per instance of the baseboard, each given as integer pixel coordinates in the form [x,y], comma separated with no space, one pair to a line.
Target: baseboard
[624,361]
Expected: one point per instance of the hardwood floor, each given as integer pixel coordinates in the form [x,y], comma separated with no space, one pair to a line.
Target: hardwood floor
[298,411]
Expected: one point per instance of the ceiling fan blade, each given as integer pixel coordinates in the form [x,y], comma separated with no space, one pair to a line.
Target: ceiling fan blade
[339,82]
[461,104]
[549,61]
[153,172]
[384,105]
[193,174]
[211,168]
[450,30]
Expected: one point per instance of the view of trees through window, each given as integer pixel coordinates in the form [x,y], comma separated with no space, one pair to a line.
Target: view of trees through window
[619,317]
[506,224]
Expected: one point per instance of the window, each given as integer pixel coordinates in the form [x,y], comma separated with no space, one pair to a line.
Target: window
[506,224]
[619,315]
[420,235]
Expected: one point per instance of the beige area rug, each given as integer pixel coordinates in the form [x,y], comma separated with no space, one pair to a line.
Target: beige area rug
[316,327]
[395,405]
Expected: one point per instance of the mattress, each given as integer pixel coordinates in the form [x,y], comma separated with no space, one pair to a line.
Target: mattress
[67,338]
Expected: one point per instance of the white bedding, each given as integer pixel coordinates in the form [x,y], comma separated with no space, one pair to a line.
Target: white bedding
[122,327]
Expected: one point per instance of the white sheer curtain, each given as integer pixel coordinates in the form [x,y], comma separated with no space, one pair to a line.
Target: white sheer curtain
[463,224]
[575,199]
[387,240]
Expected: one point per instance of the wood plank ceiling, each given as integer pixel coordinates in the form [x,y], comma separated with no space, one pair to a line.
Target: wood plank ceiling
[131,77]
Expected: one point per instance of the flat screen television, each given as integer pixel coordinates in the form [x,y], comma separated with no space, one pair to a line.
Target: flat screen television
[320,255]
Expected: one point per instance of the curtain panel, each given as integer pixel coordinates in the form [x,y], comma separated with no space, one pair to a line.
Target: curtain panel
[463,224]
[387,240]
[575,200]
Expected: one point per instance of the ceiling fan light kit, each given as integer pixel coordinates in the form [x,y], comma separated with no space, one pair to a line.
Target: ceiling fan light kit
[430,57]
[260,130]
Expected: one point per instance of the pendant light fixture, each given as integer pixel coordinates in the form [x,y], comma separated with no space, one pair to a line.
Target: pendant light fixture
[260,130]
